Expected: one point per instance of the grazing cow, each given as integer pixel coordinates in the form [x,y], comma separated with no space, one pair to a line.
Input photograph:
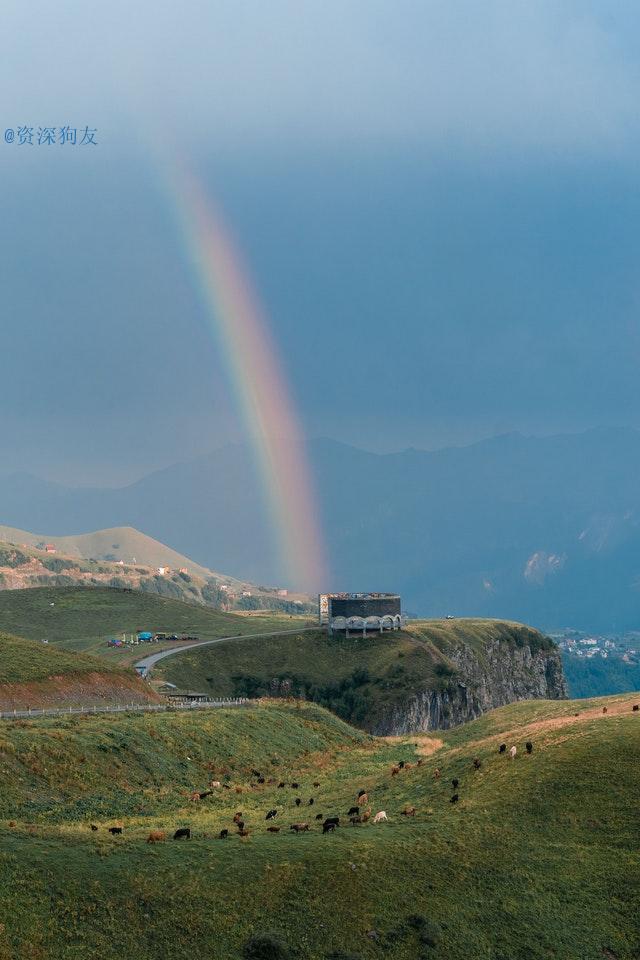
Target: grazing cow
[380,816]
[299,827]
[635,707]
[242,832]
[237,817]
[298,801]
[223,834]
[334,820]
[281,785]
[529,746]
[195,797]
[319,816]
[294,786]
[454,784]
[454,798]
[114,830]
[204,793]
[502,748]
[311,801]
[402,764]
[362,800]
[354,820]
[273,829]
[436,774]
[604,709]
[183,833]
[93,826]
[409,811]
[395,771]
[477,763]
[328,826]
[513,752]
[216,784]
[271,815]
[366,815]
[156,836]
[316,783]
[353,811]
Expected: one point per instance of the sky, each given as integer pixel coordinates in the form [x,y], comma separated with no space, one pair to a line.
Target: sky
[437,203]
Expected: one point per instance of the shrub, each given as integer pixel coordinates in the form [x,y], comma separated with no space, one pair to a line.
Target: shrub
[265,946]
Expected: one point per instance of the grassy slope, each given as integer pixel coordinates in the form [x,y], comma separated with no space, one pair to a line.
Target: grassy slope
[25,661]
[538,860]
[123,543]
[398,664]
[80,618]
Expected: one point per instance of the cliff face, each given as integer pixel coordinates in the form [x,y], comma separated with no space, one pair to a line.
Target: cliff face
[505,673]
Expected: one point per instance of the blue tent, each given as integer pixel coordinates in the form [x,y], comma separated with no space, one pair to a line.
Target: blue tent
[144,635]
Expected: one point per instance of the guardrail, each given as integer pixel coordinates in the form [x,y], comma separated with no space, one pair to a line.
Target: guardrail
[126,708]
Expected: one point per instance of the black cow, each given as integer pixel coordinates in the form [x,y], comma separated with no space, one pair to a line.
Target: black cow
[477,763]
[454,784]
[361,793]
[93,826]
[328,826]
[223,834]
[260,779]
[183,833]
[114,830]
[502,748]
[281,785]
[256,773]
[454,798]
[529,746]
[401,764]
[353,810]
[294,786]
[298,801]
[319,816]
[240,826]
[635,708]
[271,815]
[311,801]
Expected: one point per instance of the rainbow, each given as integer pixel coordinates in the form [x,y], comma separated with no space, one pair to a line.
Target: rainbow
[238,319]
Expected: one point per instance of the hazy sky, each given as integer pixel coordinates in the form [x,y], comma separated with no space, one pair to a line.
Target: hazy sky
[438,203]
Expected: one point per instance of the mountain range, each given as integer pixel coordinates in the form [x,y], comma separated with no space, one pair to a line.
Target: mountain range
[545,530]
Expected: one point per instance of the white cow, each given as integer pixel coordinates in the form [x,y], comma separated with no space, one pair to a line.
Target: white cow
[512,752]
[379,817]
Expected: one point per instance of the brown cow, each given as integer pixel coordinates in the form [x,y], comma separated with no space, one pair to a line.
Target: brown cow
[363,800]
[237,817]
[299,827]
[395,771]
[273,829]
[409,811]
[156,836]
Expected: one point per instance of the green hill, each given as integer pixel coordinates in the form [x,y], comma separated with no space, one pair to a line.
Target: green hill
[113,544]
[538,859]
[80,618]
[36,675]
[434,673]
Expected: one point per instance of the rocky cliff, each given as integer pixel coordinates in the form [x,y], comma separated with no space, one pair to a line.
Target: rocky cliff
[501,673]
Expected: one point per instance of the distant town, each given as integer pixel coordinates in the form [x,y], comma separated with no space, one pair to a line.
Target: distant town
[626,647]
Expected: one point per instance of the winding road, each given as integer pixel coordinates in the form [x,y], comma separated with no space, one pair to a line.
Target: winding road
[145,665]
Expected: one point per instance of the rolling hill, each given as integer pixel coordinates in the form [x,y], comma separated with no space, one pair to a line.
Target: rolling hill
[37,675]
[123,556]
[82,618]
[538,859]
[433,674]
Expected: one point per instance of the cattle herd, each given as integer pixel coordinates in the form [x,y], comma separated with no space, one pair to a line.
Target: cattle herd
[359,813]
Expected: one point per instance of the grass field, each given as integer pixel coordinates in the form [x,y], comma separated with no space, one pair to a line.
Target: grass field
[537,860]
[360,679]
[81,618]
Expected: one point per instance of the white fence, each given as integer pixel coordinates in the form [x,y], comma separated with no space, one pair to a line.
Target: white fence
[127,708]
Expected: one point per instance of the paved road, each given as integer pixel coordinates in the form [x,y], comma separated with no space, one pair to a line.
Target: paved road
[145,665]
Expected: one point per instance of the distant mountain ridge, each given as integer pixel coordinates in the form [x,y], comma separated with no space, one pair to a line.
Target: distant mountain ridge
[543,530]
